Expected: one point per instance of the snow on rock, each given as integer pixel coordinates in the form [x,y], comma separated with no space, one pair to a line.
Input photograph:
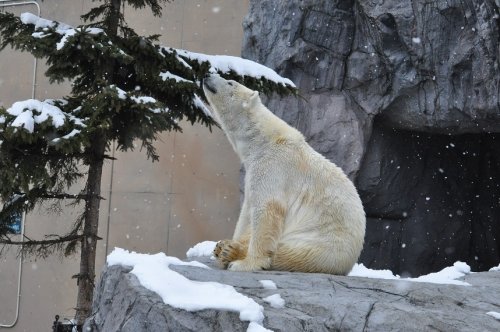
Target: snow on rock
[275,301]
[254,327]
[494,314]
[359,270]
[144,292]
[268,284]
[201,249]
[178,291]
[495,268]
[447,275]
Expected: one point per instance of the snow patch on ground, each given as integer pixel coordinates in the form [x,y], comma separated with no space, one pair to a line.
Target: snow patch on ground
[268,284]
[495,268]
[447,275]
[254,327]
[201,249]
[359,270]
[177,291]
[275,301]
[494,314]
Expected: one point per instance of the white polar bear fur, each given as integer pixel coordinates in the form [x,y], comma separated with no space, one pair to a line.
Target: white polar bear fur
[300,211]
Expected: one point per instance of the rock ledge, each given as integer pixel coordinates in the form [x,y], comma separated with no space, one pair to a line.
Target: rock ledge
[313,302]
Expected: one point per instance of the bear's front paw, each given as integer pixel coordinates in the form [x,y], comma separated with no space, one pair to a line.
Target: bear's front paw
[227,251]
[247,264]
[218,248]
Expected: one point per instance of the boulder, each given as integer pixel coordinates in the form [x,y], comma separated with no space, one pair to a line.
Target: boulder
[404,96]
[313,302]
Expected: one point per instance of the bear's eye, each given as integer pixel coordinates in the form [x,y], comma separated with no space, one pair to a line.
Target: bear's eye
[231,84]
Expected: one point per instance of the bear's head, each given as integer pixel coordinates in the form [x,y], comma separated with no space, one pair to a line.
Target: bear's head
[228,99]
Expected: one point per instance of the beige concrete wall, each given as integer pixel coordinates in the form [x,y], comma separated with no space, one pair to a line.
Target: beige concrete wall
[190,195]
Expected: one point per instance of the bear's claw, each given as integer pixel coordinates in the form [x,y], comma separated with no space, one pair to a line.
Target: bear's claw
[227,251]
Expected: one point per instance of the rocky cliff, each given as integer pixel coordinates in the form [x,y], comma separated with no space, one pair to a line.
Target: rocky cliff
[312,302]
[404,96]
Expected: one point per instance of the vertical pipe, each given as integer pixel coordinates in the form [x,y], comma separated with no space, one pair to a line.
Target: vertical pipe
[12,3]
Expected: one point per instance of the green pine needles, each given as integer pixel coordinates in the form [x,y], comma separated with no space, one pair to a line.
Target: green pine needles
[125,88]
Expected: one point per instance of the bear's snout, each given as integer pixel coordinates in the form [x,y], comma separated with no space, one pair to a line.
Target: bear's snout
[209,83]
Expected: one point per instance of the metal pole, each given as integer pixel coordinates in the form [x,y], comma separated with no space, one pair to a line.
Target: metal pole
[13,3]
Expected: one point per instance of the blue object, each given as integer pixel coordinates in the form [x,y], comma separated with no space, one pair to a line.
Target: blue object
[17,219]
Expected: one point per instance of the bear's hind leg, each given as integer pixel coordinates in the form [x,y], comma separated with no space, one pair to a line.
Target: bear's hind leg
[265,234]
[311,259]
[227,251]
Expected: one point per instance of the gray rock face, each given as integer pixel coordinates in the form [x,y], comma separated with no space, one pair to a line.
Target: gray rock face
[313,302]
[404,96]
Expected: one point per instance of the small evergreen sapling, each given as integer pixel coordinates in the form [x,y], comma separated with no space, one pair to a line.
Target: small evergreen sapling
[125,88]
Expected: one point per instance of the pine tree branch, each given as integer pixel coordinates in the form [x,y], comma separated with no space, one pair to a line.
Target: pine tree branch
[60,239]
[55,155]
[70,196]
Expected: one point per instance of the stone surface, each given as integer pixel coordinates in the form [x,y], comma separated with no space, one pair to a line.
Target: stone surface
[313,302]
[431,200]
[404,96]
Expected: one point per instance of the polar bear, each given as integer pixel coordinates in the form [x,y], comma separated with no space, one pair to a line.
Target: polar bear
[300,211]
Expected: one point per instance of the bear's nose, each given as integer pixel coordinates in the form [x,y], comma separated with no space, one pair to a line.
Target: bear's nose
[209,84]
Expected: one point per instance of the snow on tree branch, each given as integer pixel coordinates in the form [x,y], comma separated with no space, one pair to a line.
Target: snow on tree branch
[224,64]
[42,23]
[29,112]
[169,76]
[242,67]
[62,29]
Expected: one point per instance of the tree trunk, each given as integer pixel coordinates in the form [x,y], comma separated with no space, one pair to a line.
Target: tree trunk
[91,223]
[86,276]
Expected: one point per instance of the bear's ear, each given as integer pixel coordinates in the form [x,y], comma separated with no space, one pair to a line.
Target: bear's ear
[254,97]
[252,100]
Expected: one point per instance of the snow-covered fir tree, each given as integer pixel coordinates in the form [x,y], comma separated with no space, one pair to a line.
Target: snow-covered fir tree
[124,88]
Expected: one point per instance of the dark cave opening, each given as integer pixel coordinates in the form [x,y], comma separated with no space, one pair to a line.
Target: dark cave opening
[431,200]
